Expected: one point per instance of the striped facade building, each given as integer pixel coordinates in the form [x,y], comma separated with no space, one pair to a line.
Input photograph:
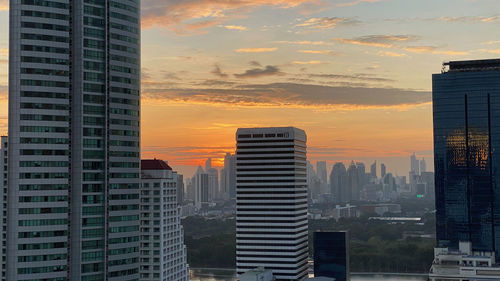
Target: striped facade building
[271,191]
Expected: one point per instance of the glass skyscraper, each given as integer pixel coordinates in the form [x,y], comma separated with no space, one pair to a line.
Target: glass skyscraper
[466,101]
[73,194]
[331,255]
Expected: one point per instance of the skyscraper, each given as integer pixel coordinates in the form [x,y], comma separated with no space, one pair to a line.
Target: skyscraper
[331,255]
[321,173]
[163,253]
[467,159]
[271,218]
[201,187]
[353,182]
[373,170]
[74,175]
[423,166]
[414,165]
[213,180]
[382,170]
[338,184]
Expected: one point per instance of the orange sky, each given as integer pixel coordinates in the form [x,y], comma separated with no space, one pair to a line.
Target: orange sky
[354,74]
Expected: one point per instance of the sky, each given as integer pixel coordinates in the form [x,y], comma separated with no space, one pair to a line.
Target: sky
[354,74]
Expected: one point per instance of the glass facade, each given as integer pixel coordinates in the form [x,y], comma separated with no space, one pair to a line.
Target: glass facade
[331,255]
[466,104]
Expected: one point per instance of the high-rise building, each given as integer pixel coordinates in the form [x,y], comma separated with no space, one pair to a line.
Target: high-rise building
[423,166]
[271,218]
[228,177]
[467,155]
[163,253]
[373,170]
[353,182]
[414,165]
[382,170]
[180,189]
[322,175]
[3,202]
[213,180]
[201,189]
[331,255]
[74,133]
[338,184]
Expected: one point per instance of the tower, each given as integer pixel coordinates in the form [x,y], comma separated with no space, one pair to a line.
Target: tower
[74,151]
[466,149]
[272,224]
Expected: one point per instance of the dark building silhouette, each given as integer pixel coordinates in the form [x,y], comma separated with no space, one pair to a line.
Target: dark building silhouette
[466,101]
[331,255]
[338,184]
[353,182]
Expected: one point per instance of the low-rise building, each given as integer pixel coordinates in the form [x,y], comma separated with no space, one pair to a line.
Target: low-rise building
[258,274]
[463,264]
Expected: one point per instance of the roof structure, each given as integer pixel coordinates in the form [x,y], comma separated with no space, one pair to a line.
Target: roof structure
[154,164]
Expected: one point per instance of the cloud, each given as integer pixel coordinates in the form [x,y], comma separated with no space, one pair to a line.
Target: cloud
[293,95]
[380,41]
[256,50]
[326,22]
[307,62]
[358,76]
[187,16]
[390,54]
[478,19]
[314,43]
[356,2]
[269,70]
[218,72]
[235,27]
[318,52]
[433,50]
[395,42]
[255,63]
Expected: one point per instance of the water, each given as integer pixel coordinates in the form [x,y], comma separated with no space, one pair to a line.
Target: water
[230,275]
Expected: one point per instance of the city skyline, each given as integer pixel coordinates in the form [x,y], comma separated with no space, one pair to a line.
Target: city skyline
[302,45]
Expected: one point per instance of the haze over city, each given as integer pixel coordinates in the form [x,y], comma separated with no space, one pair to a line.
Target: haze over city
[353,74]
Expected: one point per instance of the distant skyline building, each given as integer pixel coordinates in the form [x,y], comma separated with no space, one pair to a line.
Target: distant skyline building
[467,155]
[228,177]
[321,172]
[353,182]
[373,170]
[74,140]
[201,189]
[414,165]
[213,181]
[271,218]
[382,170]
[338,184]
[163,253]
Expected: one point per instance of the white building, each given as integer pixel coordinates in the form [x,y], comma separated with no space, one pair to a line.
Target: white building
[162,252]
[271,190]
[201,189]
[463,264]
[258,274]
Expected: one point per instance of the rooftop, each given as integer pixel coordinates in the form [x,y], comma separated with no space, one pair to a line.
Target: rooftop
[471,65]
[154,164]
